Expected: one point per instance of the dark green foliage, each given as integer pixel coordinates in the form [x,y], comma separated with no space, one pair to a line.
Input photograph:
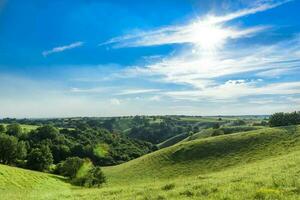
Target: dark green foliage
[217,132]
[70,166]
[284,119]
[93,178]
[216,126]
[168,186]
[235,129]
[157,132]
[21,150]
[40,158]
[8,149]
[238,122]
[60,152]
[45,132]
[2,128]
[14,129]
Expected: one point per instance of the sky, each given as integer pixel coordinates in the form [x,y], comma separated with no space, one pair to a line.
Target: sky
[129,57]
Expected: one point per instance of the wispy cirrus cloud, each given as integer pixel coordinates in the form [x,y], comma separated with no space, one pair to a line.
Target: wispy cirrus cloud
[234,89]
[202,32]
[199,70]
[62,48]
[137,91]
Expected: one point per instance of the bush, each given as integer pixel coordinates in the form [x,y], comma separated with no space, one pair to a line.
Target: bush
[217,132]
[70,166]
[168,186]
[93,178]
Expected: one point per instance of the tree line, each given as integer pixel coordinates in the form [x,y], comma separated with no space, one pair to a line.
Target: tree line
[284,119]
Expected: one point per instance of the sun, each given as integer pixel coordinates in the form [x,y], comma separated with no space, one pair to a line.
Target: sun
[208,36]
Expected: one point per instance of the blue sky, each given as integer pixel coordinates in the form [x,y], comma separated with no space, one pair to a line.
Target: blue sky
[109,57]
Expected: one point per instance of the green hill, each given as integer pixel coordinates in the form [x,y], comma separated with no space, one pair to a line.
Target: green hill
[208,155]
[173,140]
[16,183]
[259,164]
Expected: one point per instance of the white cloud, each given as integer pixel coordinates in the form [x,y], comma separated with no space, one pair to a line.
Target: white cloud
[206,32]
[90,90]
[234,89]
[200,70]
[137,91]
[62,48]
[115,101]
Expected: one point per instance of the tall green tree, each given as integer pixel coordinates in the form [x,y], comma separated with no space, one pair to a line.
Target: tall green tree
[14,129]
[8,149]
[40,158]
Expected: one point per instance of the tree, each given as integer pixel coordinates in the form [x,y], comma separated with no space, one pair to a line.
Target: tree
[95,177]
[216,126]
[70,166]
[217,132]
[239,122]
[21,150]
[46,132]
[2,128]
[40,158]
[284,119]
[14,129]
[8,149]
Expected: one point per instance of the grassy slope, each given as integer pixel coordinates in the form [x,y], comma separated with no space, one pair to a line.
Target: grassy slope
[207,155]
[16,183]
[205,133]
[261,164]
[173,140]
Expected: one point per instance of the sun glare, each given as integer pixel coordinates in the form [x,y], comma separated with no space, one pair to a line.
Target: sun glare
[208,36]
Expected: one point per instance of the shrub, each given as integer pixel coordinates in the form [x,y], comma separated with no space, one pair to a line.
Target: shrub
[187,193]
[168,186]
[93,178]
[217,132]
[70,166]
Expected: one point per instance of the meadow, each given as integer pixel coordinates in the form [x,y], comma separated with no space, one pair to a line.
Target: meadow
[258,164]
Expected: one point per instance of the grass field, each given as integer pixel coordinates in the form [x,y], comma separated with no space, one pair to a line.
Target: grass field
[259,164]
[26,127]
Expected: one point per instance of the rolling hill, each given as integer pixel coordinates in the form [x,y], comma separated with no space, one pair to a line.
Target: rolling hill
[258,164]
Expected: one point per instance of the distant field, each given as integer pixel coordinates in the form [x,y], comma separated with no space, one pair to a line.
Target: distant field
[26,127]
[260,164]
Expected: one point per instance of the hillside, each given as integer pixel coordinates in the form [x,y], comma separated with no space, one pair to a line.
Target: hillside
[173,140]
[259,164]
[16,183]
[208,155]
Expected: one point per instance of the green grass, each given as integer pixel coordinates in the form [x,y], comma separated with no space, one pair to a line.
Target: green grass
[26,127]
[259,164]
[205,133]
[173,140]
[16,183]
